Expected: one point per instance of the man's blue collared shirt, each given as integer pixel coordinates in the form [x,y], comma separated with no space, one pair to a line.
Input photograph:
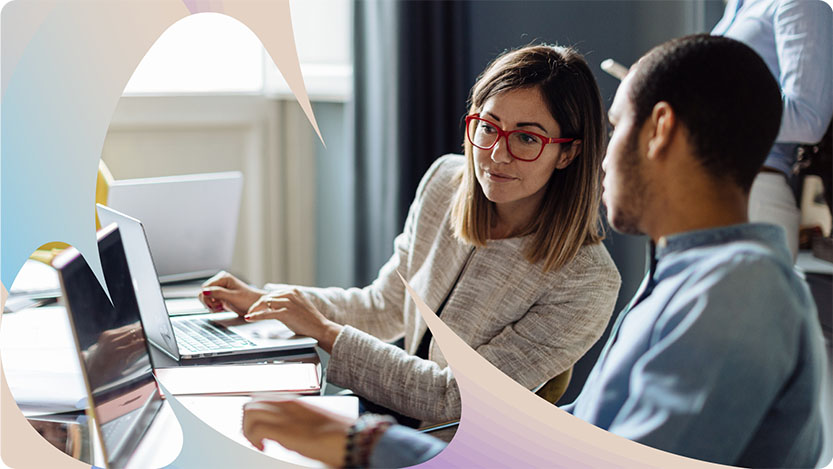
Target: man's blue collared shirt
[722,361]
[720,357]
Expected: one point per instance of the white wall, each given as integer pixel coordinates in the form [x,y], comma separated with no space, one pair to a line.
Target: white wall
[269,140]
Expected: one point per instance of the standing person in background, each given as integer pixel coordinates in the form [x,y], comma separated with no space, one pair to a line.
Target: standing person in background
[795,39]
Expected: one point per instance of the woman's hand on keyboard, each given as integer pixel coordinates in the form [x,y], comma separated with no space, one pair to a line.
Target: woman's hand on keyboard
[294,309]
[225,292]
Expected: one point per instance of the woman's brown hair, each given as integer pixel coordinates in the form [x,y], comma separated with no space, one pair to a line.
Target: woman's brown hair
[568,216]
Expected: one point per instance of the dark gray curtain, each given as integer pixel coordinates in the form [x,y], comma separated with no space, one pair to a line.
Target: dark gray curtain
[409,102]
[376,118]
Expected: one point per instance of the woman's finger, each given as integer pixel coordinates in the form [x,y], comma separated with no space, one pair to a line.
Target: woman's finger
[218,293]
[264,314]
[221,278]
[252,430]
[258,305]
[211,302]
[268,303]
[223,299]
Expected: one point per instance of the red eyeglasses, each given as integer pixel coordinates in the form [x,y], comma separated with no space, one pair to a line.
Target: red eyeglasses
[522,145]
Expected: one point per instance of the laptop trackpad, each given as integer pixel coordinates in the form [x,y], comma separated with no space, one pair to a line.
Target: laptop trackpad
[269,329]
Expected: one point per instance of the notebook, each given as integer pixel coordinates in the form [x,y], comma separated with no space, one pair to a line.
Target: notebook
[241,379]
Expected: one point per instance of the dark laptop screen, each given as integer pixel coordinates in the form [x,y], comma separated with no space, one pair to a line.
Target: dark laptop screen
[112,345]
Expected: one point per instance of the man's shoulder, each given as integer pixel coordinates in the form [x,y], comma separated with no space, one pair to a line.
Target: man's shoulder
[736,284]
[732,259]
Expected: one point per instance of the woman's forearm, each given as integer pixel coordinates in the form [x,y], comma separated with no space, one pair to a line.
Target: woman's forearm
[389,376]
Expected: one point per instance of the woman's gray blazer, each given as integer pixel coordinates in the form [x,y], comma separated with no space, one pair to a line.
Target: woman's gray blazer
[530,324]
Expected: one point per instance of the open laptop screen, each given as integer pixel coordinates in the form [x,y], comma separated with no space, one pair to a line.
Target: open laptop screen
[152,307]
[185,242]
[112,346]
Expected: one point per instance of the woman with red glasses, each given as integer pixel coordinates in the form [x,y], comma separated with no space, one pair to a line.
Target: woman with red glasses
[504,243]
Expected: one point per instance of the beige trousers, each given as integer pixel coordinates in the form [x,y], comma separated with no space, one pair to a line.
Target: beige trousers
[771,200]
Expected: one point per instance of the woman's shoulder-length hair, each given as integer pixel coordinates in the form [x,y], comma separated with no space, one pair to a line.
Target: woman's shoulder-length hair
[568,216]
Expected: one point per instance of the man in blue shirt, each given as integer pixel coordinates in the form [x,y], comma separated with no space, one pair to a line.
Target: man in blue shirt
[719,356]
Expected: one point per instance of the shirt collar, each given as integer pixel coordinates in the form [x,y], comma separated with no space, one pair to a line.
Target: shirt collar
[770,235]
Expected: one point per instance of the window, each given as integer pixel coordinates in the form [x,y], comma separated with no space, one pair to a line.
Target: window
[214,53]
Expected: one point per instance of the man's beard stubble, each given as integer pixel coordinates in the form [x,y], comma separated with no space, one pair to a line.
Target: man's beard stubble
[634,193]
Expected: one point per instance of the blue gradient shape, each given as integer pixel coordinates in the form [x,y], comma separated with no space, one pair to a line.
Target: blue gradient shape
[55,115]
[56,109]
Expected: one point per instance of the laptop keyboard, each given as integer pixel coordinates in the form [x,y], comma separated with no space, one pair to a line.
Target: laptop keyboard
[197,335]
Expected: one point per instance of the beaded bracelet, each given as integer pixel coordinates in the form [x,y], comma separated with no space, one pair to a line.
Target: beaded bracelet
[361,437]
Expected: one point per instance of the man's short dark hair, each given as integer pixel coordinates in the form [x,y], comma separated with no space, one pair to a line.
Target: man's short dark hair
[724,95]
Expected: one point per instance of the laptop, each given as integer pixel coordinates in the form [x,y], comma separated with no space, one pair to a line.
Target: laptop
[197,336]
[186,242]
[122,392]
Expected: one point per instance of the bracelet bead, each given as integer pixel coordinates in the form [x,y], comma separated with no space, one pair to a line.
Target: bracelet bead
[362,436]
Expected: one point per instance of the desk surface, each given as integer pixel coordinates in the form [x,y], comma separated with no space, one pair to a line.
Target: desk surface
[38,343]
[164,439]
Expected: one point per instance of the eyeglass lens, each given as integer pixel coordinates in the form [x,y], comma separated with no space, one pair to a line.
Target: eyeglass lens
[522,145]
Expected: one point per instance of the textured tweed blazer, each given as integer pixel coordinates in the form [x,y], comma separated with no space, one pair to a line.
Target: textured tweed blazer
[530,324]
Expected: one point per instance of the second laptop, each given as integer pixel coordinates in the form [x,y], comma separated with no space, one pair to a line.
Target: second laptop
[198,336]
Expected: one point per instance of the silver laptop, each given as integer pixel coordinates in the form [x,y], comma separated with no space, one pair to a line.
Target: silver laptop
[197,336]
[122,392]
[186,241]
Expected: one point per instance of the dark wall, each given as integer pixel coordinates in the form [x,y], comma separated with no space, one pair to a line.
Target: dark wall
[597,29]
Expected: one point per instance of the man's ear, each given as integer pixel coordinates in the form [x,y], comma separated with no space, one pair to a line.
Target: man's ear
[568,155]
[662,124]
